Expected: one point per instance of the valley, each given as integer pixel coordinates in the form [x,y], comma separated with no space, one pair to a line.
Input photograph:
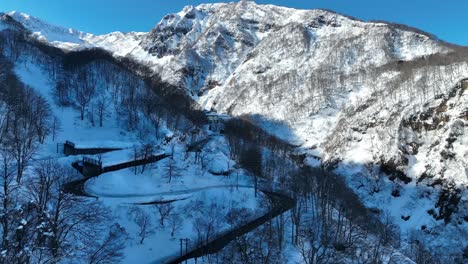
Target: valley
[253,133]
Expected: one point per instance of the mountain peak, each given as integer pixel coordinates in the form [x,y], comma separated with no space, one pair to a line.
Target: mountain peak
[369,98]
[48,32]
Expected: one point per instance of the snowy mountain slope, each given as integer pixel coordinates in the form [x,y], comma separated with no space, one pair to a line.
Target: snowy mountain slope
[342,88]
[210,42]
[57,36]
[49,74]
[373,98]
[7,22]
[202,46]
[121,44]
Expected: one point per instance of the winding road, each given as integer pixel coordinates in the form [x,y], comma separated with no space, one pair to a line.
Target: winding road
[280,203]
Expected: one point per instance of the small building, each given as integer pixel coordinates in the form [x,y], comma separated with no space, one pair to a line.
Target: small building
[216,121]
[69,148]
[464,84]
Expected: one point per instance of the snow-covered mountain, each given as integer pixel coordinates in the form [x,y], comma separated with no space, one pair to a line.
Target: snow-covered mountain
[121,44]
[382,104]
[347,91]
[213,42]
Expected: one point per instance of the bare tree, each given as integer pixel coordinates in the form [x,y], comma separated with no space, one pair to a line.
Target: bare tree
[175,223]
[251,159]
[61,92]
[208,221]
[26,121]
[172,145]
[5,68]
[68,219]
[55,127]
[110,249]
[143,220]
[238,216]
[21,137]
[146,152]
[164,211]
[7,197]
[43,119]
[131,103]
[21,143]
[14,226]
[171,169]
[101,109]
[313,249]
[258,246]
[84,92]
[154,112]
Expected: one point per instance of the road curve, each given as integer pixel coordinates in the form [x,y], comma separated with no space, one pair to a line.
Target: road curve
[281,203]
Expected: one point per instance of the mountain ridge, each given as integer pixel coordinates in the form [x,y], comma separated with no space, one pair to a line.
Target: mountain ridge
[381,104]
[23,18]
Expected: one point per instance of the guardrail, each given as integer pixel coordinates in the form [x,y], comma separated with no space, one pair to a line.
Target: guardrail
[133,163]
[69,143]
[69,148]
[92,161]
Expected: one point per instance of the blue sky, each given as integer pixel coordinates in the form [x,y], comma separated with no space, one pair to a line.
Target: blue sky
[446,19]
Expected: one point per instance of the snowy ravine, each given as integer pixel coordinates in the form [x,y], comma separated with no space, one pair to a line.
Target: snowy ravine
[382,104]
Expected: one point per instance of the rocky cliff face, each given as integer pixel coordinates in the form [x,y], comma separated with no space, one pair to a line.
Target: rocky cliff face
[383,103]
[212,42]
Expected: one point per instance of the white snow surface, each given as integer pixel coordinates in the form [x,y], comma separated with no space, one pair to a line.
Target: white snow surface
[222,38]
[121,44]
[122,191]
[312,77]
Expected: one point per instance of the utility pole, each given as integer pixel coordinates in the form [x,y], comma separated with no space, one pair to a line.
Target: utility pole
[186,246]
[183,241]
[180,240]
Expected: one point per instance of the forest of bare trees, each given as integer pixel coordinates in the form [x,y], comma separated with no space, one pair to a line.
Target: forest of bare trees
[26,121]
[39,221]
[327,225]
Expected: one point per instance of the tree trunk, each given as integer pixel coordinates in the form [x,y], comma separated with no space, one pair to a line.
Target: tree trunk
[19,172]
[101,116]
[82,110]
[5,208]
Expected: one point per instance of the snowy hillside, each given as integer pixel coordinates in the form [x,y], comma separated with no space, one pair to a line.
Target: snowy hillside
[213,42]
[341,88]
[61,37]
[121,44]
[383,105]
[141,211]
